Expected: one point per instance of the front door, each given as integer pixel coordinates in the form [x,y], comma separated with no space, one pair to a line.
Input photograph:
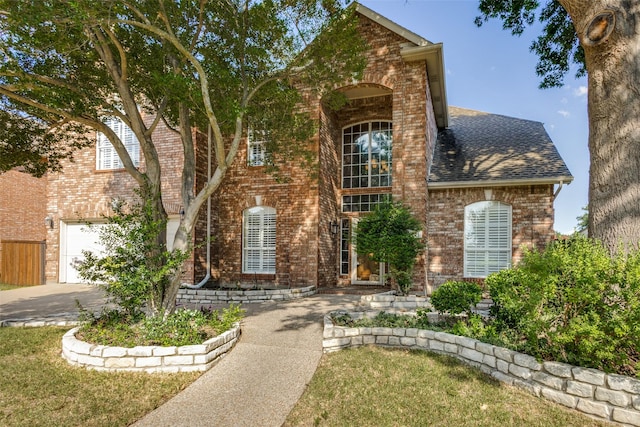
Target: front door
[364,270]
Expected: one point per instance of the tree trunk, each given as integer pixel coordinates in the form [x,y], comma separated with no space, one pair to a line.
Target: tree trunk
[613,66]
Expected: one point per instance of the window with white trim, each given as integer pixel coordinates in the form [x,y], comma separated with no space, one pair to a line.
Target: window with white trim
[487,238]
[256,147]
[107,158]
[366,155]
[259,240]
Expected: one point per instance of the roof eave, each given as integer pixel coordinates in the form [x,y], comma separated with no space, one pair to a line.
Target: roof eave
[434,56]
[500,183]
[390,25]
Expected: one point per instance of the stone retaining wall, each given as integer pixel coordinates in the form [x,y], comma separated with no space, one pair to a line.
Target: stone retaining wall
[390,302]
[608,396]
[148,358]
[216,296]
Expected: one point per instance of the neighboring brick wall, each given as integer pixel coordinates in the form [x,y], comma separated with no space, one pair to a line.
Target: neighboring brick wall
[532,225]
[22,207]
[81,193]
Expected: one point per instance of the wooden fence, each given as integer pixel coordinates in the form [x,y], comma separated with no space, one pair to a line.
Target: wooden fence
[22,262]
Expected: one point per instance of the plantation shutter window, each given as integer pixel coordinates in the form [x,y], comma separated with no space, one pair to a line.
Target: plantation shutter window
[107,158]
[487,238]
[259,240]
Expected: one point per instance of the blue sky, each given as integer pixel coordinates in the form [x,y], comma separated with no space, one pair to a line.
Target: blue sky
[490,70]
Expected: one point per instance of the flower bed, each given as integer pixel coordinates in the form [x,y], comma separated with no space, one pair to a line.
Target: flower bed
[148,358]
[610,397]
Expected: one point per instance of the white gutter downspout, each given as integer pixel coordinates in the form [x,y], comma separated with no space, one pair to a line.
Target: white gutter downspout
[208,276]
[558,190]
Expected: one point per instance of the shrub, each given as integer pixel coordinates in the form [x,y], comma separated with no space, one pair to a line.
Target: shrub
[573,302]
[182,327]
[390,234]
[456,297]
[133,266]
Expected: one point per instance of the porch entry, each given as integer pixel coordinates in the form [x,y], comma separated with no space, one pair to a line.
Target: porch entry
[361,269]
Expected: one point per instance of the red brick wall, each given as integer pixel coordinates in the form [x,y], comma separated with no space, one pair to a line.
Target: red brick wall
[532,225]
[409,107]
[306,251]
[22,207]
[82,193]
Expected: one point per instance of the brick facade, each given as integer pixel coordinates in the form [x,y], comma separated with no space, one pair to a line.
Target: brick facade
[80,193]
[532,225]
[22,208]
[308,202]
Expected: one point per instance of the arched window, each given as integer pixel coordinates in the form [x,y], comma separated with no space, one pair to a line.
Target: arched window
[487,238]
[107,157]
[259,240]
[366,155]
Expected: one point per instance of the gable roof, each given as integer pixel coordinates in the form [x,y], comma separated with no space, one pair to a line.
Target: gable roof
[483,149]
[419,49]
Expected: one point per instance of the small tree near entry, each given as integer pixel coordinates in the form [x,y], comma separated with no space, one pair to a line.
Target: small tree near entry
[390,234]
[133,270]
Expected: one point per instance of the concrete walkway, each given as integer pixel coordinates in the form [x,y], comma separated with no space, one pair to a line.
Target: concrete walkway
[262,378]
[256,384]
[49,301]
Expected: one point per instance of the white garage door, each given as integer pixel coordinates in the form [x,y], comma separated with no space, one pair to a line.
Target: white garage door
[74,239]
[79,237]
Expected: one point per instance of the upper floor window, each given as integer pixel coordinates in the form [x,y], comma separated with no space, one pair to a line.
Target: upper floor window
[366,155]
[487,238]
[259,240]
[107,157]
[256,147]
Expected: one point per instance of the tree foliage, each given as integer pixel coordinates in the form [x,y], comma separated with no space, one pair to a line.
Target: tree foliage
[390,234]
[207,65]
[133,270]
[558,47]
[573,303]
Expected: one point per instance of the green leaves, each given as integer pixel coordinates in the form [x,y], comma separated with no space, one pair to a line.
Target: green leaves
[390,234]
[133,267]
[573,302]
[456,297]
[558,48]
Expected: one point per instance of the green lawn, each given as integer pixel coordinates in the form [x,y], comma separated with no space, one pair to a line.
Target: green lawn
[6,287]
[39,388]
[372,386]
[357,387]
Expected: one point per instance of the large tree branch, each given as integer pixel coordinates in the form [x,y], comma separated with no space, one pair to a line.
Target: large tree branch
[204,84]
[121,52]
[44,79]
[86,121]
[136,122]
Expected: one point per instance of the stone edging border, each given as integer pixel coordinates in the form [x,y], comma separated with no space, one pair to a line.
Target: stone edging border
[610,397]
[150,359]
[215,296]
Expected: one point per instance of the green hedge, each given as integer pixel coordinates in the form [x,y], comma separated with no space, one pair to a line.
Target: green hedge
[572,302]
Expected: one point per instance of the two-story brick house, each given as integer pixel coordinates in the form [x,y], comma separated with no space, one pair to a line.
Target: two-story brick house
[483,185]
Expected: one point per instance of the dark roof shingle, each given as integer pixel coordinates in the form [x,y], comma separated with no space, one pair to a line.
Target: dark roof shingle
[479,147]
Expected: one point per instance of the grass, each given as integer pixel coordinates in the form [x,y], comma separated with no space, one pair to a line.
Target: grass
[39,388]
[7,287]
[372,386]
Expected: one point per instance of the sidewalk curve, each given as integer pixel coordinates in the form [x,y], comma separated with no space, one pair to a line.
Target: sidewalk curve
[262,378]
